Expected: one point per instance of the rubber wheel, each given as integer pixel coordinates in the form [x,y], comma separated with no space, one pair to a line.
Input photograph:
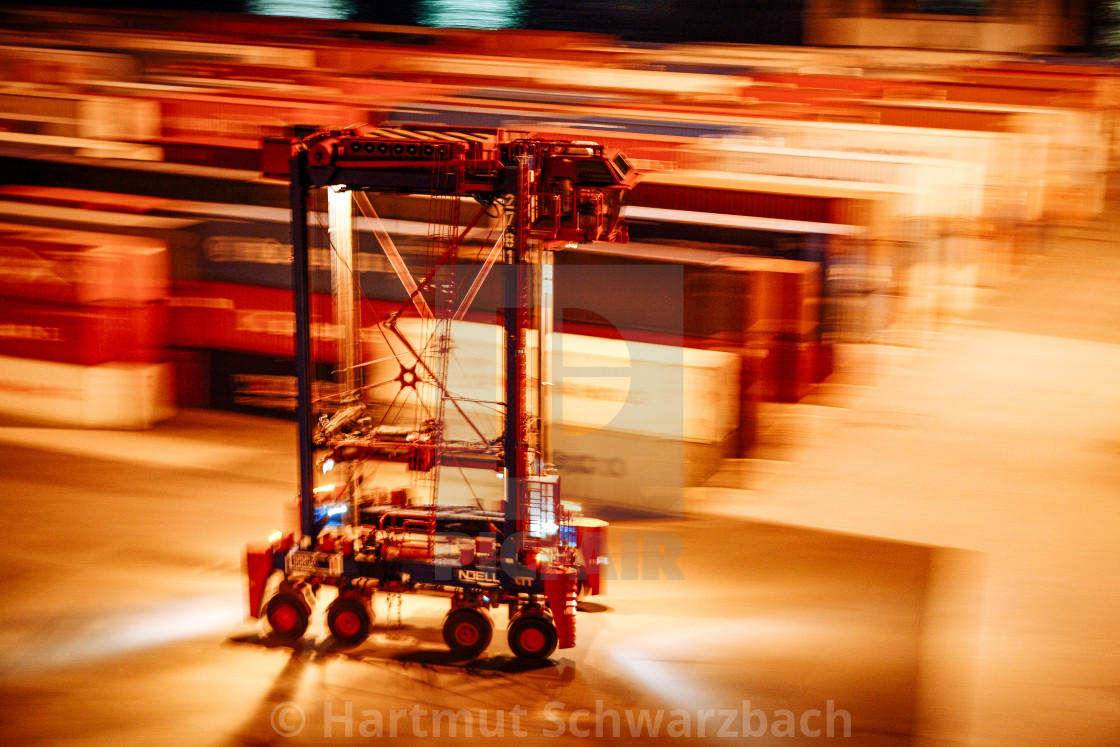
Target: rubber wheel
[532,637]
[349,620]
[467,632]
[287,615]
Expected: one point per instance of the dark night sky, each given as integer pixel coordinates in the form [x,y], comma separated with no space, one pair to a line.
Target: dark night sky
[744,21]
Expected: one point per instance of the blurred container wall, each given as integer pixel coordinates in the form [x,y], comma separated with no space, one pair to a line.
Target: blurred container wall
[56,66]
[992,150]
[665,415]
[181,237]
[185,115]
[80,267]
[87,335]
[111,395]
[80,115]
[83,327]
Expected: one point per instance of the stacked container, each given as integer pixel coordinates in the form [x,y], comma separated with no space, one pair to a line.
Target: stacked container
[83,326]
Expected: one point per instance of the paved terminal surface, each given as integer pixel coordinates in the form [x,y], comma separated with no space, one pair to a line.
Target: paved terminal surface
[926,556]
[125,622]
[1001,439]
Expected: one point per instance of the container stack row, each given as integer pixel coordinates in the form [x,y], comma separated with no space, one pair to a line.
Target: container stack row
[810,199]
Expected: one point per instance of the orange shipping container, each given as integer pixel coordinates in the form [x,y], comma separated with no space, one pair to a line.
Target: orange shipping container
[78,267]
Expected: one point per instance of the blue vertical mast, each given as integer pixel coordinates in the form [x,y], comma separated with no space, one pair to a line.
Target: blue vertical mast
[301,297]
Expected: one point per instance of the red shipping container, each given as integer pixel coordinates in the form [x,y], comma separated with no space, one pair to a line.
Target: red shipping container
[202,316]
[192,377]
[797,369]
[938,115]
[785,297]
[86,199]
[784,329]
[874,87]
[785,369]
[381,90]
[229,71]
[85,335]
[699,198]
[193,115]
[226,153]
[826,361]
[254,319]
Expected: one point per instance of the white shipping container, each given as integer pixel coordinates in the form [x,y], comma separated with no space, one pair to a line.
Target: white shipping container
[585,78]
[604,470]
[112,395]
[1076,144]
[74,114]
[1013,164]
[634,423]
[940,187]
[641,389]
[570,77]
[659,391]
[119,119]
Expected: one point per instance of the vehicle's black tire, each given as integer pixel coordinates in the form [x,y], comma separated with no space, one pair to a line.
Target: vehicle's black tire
[349,620]
[467,632]
[288,615]
[532,636]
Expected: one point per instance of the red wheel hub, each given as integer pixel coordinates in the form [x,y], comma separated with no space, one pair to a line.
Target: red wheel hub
[348,624]
[284,618]
[532,639]
[466,634]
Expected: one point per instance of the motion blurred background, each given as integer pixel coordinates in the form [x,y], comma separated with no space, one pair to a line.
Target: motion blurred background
[887,230]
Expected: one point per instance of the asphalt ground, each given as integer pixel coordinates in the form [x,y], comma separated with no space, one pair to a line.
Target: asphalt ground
[126,621]
[1001,439]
